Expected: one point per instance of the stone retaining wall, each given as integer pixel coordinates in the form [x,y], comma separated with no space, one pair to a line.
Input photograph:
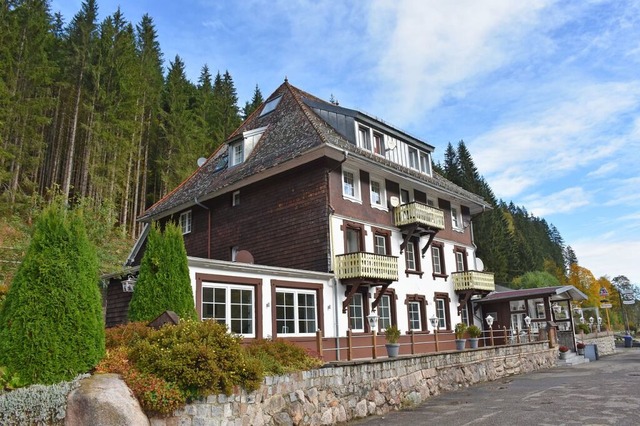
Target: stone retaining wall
[604,341]
[344,391]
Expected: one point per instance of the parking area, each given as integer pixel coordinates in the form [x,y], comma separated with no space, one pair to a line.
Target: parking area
[604,392]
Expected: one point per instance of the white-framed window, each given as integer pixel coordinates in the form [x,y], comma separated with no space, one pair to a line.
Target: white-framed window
[356,313]
[185,222]
[405,196]
[460,261]
[236,155]
[441,313]
[351,184]
[464,316]
[296,312]
[410,256]
[456,219]
[378,143]
[436,260]
[380,244]
[425,163]
[378,193]
[364,137]
[229,304]
[235,198]
[415,317]
[384,312]
[413,158]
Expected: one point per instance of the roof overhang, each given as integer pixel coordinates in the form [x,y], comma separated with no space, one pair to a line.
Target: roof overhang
[555,293]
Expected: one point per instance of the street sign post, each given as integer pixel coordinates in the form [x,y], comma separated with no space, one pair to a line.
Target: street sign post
[606,306]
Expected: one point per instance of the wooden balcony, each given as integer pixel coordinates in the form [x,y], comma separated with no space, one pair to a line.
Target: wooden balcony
[418,214]
[473,280]
[366,266]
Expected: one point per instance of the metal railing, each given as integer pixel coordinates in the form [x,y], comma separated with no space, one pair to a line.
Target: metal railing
[415,212]
[473,280]
[366,265]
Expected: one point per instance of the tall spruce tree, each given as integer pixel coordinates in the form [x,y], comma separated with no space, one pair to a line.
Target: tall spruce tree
[51,326]
[164,282]
[256,101]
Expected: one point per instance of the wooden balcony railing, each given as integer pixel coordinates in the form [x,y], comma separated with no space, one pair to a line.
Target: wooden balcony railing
[473,280]
[415,212]
[366,265]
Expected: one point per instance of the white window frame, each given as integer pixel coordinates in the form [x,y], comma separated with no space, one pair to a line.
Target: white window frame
[414,313]
[424,160]
[384,312]
[236,153]
[353,195]
[228,319]
[356,313]
[460,261]
[235,198]
[456,218]
[404,191]
[464,315]
[378,149]
[414,162]
[381,195]
[380,244]
[441,313]
[436,261]
[364,138]
[185,222]
[297,311]
[410,256]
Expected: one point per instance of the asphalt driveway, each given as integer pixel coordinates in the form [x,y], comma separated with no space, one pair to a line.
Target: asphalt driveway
[603,392]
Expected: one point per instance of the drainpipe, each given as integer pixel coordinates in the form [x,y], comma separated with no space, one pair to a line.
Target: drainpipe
[336,317]
[198,203]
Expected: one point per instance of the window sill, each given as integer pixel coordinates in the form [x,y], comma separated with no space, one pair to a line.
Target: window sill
[445,276]
[352,199]
[411,272]
[379,207]
[458,230]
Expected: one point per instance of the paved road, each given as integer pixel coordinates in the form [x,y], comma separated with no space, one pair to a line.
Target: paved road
[604,392]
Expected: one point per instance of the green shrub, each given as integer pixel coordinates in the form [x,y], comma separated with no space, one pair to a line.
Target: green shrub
[201,358]
[474,331]
[280,357]
[164,282]
[583,328]
[51,326]
[126,334]
[459,330]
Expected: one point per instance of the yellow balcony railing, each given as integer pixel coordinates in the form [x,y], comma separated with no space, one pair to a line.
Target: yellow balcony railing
[473,280]
[366,265]
[415,212]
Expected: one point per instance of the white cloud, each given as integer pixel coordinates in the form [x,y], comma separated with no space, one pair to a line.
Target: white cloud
[564,201]
[611,258]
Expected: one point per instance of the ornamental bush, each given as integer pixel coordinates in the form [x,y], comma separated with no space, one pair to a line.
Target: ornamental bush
[51,326]
[163,282]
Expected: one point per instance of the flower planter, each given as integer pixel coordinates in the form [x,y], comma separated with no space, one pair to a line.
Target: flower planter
[473,342]
[392,349]
[563,355]
[460,344]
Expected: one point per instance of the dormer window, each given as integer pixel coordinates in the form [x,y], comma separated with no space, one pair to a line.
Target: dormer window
[236,153]
[425,163]
[270,105]
[364,138]
[413,158]
[378,143]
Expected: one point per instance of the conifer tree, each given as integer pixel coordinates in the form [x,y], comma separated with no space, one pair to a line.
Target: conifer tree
[256,101]
[163,283]
[51,326]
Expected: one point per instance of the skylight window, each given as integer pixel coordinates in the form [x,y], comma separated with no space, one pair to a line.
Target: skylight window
[270,106]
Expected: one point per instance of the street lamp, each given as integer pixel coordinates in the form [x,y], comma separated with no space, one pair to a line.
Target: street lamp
[591,324]
[489,320]
[599,324]
[527,321]
[556,308]
[434,324]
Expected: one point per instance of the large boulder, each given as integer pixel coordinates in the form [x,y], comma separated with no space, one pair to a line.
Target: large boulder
[104,400]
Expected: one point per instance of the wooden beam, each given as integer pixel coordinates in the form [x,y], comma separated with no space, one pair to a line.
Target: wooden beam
[375,303]
[347,300]
[407,236]
[432,234]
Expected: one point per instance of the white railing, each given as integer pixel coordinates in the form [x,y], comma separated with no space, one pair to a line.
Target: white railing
[418,213]
[366,265]
[473,280]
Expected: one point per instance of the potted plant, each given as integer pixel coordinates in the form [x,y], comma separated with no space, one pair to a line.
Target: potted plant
[563,351]
[580,348]
[474,334]
[393,347]
[459,332]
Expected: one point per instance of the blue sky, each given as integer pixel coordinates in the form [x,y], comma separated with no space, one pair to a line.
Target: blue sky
[545,94]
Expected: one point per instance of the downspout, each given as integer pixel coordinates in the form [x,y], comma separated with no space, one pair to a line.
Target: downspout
[198,203]
[336,317]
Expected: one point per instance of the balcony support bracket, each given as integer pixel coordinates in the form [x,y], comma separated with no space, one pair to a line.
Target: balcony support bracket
[347,301]
[407,236]
[463,299]
[375,303]
[432,234]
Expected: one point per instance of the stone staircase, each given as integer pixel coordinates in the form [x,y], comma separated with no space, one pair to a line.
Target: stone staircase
[572,358]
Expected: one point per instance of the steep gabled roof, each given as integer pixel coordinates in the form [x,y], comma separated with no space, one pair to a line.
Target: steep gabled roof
[295,127]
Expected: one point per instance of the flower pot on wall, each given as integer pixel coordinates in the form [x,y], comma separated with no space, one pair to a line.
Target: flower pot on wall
[473,342]
[563,355]
[392,349]
[460,344]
